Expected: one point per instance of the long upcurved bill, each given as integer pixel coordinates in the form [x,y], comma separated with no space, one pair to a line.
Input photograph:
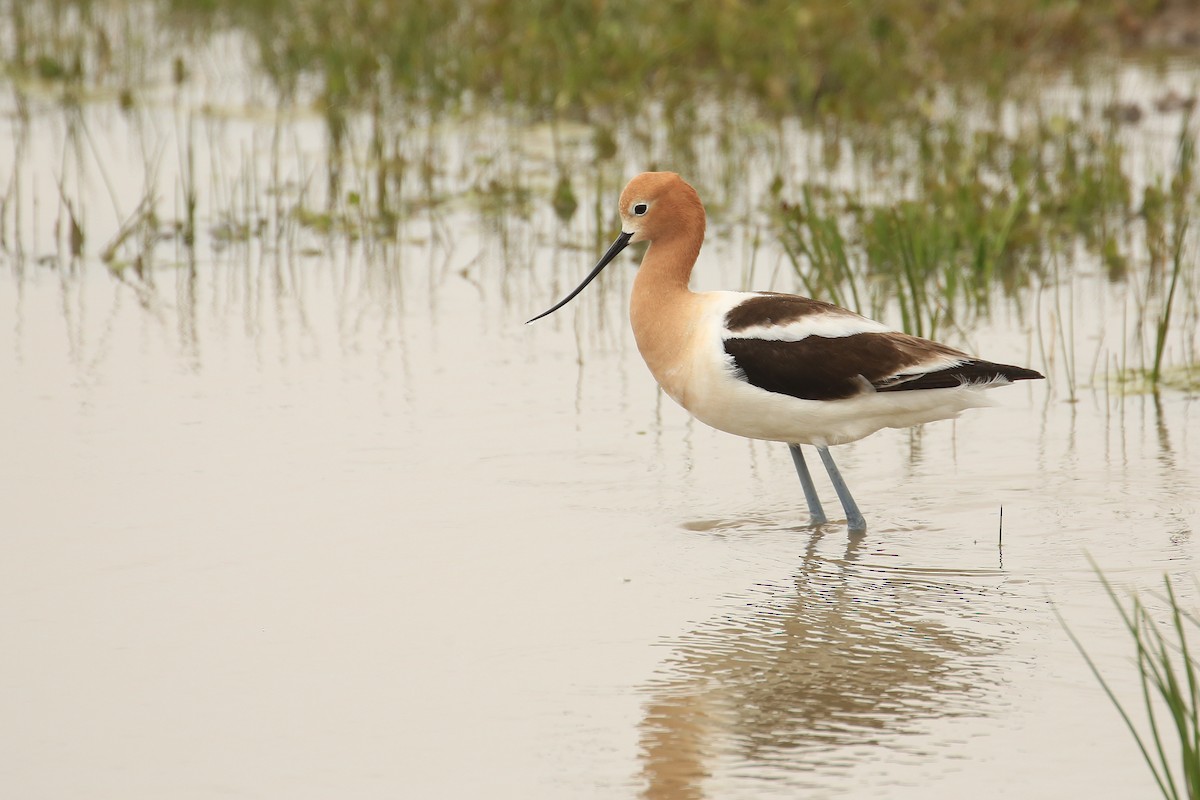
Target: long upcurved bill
[616,247]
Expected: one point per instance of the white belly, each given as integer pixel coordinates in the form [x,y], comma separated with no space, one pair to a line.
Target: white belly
[732,405]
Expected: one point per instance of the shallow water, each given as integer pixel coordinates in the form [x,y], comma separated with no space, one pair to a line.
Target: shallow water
[303,517]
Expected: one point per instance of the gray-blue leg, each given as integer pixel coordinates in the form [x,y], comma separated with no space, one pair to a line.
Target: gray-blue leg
[854,517]
[810,492]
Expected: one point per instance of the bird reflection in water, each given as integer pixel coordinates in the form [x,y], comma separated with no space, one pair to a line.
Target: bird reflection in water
[850,657]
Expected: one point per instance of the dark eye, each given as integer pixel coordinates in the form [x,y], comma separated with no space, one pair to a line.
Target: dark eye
[639,209]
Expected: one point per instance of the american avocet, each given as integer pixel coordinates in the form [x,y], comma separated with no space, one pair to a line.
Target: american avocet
[777,366]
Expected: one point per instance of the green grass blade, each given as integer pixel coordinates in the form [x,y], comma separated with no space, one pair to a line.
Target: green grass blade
[1137,737]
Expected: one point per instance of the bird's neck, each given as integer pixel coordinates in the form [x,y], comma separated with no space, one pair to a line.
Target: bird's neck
[666,270]
[660,290]
[661,310]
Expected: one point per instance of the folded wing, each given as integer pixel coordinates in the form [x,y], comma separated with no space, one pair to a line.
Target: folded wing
[815,351]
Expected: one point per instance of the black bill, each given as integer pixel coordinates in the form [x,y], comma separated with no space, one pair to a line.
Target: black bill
[617,247]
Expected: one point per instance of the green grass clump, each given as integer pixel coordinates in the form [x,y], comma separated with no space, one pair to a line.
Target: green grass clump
[1169,677]
[1168,241]
[602,61]
[966,211]
[1136,380]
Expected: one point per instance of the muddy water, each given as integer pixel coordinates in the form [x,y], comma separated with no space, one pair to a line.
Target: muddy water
[297,516]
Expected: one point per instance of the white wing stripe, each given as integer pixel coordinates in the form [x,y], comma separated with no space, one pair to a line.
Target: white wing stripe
[830,326]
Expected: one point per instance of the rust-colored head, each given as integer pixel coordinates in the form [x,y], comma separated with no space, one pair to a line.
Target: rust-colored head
[659,205]
[655,206]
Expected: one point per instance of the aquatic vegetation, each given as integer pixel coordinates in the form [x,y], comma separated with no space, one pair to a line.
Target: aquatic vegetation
[1181,205]
[1180,377]
[1169,679]
[979,210]
[945,177]
[970,210]
[600,62]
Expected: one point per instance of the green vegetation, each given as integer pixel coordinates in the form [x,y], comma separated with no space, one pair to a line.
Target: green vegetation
[975,210]
[946,175]
[1169,678]
[602,61]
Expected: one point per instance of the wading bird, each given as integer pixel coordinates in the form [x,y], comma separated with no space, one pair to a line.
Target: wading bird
[772,366]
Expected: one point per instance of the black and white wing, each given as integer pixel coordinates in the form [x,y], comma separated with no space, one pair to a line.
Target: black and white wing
[817,351]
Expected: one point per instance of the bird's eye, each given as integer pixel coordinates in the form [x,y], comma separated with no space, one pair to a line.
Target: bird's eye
[639,209]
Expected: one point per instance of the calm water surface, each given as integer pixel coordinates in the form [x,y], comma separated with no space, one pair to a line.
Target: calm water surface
[308,517]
